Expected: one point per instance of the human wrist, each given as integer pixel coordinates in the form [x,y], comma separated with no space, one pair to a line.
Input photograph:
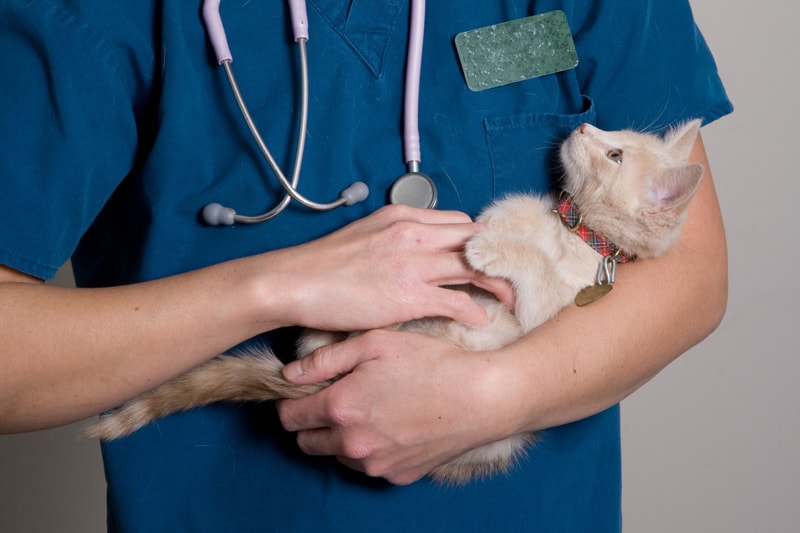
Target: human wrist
[500,395]
[256,294]
[521,385]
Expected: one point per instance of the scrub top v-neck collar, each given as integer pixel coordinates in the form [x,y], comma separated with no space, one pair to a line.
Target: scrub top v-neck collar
[366,25]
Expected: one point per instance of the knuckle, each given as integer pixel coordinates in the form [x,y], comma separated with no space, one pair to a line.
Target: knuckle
[460,300]
[341,413]
[373,469]
[357,449]
[375,341]
[319,359]
[404,231]
[388,215]
[322,363]
[396,211]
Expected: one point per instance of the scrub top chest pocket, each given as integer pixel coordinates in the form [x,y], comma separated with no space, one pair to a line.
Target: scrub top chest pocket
[524,148]
[528,61]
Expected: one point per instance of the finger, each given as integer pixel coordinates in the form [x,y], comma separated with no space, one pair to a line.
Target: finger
[425,216]
[317,442]
[303,414]
[452,237]
[459,306]
[436,297]
[451,269]
[500,288]
[448,268]
[415,237]
[327,362]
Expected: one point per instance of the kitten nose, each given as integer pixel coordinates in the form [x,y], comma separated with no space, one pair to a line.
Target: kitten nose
[582,128]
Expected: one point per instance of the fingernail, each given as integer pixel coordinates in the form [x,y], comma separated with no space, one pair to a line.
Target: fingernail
[293,370]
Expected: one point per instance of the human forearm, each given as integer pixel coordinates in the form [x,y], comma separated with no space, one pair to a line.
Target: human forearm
[70,353]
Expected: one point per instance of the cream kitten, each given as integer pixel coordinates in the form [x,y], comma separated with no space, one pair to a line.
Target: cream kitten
[631,191]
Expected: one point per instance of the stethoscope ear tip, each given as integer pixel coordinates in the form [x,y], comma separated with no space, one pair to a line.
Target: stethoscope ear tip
[215,214]
[355,193]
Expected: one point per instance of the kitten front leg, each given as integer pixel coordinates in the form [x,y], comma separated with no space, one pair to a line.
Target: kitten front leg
[519,260]
[517,214]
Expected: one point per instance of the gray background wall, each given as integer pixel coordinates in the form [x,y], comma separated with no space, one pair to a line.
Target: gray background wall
[712,443]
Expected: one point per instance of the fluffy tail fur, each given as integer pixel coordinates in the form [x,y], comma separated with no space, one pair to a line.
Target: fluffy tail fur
[254,376]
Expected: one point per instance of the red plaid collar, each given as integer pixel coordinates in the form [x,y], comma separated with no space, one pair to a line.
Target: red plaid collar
[573,220]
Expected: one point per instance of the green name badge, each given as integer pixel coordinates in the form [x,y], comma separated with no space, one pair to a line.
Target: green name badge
[516,50]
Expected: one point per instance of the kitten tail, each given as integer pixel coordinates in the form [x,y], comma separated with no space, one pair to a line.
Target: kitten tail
[254,378]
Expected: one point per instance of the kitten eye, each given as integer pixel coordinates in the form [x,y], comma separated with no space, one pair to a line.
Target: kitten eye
[615,156]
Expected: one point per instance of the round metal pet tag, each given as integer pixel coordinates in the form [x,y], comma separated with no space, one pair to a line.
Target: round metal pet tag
[592,293]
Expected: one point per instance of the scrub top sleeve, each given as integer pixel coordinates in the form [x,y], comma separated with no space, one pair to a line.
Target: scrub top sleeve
[67,132]
[646,66]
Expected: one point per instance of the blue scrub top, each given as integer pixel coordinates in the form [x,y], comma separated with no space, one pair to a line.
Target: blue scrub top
[118,127]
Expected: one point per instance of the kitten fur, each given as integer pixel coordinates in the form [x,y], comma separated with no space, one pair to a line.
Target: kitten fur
[631,187]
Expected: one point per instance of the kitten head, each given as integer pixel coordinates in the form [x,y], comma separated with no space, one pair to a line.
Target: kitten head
[632,187]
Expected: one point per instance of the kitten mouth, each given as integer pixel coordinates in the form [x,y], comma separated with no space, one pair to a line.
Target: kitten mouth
[572,155]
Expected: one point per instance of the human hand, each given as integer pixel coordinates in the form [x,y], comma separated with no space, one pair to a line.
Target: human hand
[387,268]
[407,403]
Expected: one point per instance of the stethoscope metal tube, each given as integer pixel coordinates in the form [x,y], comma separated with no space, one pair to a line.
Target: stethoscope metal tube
[412,188]
[216,214]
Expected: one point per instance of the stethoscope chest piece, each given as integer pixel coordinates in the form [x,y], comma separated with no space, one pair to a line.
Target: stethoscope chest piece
[414,189]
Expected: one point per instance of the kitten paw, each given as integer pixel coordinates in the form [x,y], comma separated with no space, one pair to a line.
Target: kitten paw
[492,253]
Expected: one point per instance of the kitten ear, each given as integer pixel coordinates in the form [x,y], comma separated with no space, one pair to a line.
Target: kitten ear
[681,139]
[674,187]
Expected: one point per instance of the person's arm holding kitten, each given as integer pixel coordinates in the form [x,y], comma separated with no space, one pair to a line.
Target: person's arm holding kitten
[413,403]
[70,353]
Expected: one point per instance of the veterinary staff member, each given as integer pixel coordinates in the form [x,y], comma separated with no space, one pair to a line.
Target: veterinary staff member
[118,127]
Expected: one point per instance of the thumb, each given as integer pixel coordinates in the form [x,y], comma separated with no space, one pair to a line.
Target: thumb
[326,363]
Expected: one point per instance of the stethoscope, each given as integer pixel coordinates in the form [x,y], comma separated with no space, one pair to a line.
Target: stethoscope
[412,188]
